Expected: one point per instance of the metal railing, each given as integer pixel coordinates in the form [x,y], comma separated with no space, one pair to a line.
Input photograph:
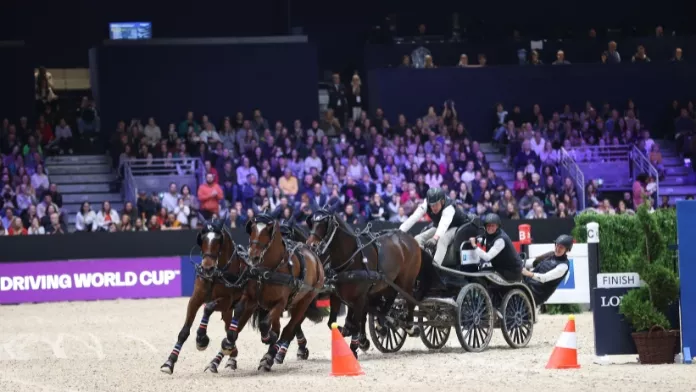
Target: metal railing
[601,154]
[569,168]
[641,164]
[136,168]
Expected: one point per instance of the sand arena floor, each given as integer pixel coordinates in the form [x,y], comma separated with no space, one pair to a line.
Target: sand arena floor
[120,345]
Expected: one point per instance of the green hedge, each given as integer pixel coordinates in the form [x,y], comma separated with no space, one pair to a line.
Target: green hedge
[626,242]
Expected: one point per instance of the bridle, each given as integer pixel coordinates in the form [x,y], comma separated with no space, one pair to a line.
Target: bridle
[217,272]
[325,241]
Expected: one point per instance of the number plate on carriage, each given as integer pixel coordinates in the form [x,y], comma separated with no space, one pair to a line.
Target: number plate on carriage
[469,257]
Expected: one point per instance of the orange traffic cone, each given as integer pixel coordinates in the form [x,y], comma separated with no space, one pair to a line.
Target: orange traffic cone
[565,354]
[343,362]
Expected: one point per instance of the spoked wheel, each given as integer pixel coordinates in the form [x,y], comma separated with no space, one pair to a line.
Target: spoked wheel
[474,317]
[433,333]
[518,318]
[391,337]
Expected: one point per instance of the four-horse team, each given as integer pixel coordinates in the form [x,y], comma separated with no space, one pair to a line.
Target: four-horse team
[463,273]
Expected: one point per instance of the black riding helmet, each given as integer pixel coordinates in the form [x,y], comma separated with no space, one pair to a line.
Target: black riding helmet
[566,241]
[492,219]
[435,195]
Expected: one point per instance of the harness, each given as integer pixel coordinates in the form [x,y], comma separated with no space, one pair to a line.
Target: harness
[219,274]
[266,275]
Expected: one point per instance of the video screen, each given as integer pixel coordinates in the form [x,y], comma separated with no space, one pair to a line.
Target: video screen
[130,30]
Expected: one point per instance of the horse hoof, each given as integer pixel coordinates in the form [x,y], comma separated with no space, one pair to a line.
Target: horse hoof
[266,363]
[167,368]
[202,342]
[212,367]
[303,353]
[355,353]
[231,364]
[364,345]
[226,347]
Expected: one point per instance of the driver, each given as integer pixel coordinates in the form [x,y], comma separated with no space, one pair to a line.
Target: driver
[500,251]
[548,270]
[446,218]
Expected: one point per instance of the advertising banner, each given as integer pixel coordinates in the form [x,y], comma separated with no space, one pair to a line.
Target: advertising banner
[575,288]
[82,280]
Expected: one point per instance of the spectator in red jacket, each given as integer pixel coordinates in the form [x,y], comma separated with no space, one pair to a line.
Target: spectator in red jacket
[210,194]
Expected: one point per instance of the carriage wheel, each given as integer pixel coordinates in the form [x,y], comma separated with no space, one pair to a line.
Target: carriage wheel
[392,336]
[434,337]
[474,317]
[518,318]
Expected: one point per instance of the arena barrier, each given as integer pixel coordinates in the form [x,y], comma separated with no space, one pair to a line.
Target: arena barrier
[103,266]
[686,232]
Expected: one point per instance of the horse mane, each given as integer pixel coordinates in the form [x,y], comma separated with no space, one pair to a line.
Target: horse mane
[343,224]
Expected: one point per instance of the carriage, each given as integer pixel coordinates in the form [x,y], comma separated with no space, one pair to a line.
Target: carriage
[472,300]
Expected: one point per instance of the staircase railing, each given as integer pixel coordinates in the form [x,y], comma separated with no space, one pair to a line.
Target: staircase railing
[641,164]
[569,168]
[133,169]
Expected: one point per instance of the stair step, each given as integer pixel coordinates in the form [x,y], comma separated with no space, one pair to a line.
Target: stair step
[83,178]
[102,168]
[93,198]
[73,208]
[499,167]
[680,190]
[674,161]
[77,159]
[84,188]
[678,170]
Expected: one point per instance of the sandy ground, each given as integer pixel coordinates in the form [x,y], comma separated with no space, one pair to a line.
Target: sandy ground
[120,345]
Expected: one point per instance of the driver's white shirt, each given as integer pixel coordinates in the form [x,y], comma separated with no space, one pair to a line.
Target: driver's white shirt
[555,273]
[445,219]
[495,249]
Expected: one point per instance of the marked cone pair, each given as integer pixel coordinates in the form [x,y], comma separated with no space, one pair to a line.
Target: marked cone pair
[565,354]
[343,362]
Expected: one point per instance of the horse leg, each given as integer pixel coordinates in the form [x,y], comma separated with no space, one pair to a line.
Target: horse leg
[335,305]
[297,316]
[389,298]
[363,341]
[270,330]
[213,365]
[229,344]
[202,339]
[274,316]
[194,303]
[302,351]
[359,314]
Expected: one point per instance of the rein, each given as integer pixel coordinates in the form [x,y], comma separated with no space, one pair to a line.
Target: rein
[218,273]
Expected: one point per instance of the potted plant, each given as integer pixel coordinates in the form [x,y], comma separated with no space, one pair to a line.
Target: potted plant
[647,308]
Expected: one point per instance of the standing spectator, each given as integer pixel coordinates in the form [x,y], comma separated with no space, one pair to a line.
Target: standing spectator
[355,98]
[84,219]
[45,97]
[105,218]
[152,132]
[64,137]
[209,194]
[337,97]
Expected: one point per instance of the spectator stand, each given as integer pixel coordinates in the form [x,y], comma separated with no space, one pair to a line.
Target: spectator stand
[609,165]
[153,176]
[568,167]
[639,163]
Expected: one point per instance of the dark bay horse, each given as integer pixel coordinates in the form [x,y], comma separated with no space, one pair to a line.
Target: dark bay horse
[287,275]
[364,271]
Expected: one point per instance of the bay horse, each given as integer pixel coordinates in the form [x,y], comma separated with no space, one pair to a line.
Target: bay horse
[366,270]
[288,275]
[219,284]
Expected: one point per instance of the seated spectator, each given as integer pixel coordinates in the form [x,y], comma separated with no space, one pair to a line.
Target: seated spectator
[106,217]
[171,223]
[64,137]
[153,224]
[147,206]
[35,227]
[170,199]
[42,208]
[3,231]
[656,159]
[39,180]
[55,225]
[125,224]
[84,219]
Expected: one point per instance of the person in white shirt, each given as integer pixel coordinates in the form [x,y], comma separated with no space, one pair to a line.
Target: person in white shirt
[85,218]
[210,135]
[537,143]
[547,271]
[446,218]
[170,199]
[152,132]
[313,161]
[64,137]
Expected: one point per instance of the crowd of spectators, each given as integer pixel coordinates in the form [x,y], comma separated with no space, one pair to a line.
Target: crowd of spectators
[372,170]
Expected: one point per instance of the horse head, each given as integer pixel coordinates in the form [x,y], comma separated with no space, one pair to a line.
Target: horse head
[290,230]
[264,236]
[217,247]
[322,225]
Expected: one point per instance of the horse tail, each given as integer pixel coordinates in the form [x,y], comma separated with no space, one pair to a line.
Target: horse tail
[257,317]
[314,313]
